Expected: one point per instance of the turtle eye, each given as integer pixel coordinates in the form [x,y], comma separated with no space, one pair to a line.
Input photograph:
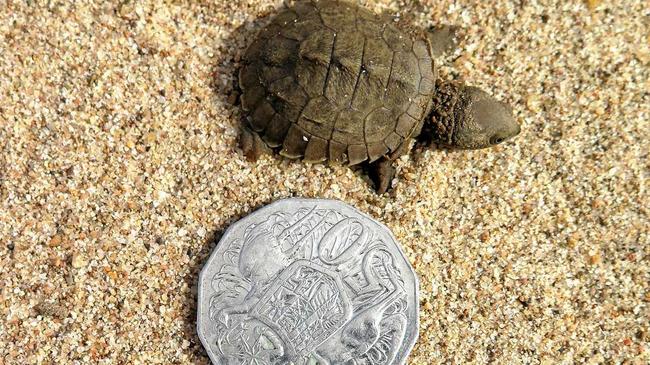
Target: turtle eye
[496,139]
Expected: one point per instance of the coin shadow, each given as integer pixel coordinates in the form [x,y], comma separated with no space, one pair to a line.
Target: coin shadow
[197,260]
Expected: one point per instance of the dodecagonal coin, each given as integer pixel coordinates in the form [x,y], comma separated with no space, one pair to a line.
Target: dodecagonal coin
[308,281]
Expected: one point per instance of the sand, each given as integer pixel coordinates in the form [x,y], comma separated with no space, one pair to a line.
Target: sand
[120,170]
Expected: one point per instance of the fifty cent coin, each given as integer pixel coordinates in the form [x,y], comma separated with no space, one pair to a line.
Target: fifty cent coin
[305,282]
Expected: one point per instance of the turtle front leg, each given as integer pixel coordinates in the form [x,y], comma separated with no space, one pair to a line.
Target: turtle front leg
[443,38]
[381,172]
[252,144]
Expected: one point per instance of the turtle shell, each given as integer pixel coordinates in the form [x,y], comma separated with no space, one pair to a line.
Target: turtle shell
[331,81]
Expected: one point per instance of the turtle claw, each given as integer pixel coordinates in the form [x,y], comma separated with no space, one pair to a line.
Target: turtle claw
[252,145]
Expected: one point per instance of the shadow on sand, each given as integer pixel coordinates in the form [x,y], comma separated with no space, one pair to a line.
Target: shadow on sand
[224,83]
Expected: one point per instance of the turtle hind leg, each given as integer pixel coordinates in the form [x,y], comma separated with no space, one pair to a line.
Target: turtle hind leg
[252,144]
[382,172]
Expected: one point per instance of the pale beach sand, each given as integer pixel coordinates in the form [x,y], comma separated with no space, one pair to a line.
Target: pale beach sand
[120,169]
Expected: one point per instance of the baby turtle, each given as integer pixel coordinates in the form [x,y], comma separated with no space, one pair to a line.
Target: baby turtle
[328,80]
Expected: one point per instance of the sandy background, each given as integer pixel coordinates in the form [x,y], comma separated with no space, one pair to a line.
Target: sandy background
[120,169]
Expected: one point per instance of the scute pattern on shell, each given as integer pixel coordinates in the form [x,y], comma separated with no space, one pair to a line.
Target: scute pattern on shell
[331,81]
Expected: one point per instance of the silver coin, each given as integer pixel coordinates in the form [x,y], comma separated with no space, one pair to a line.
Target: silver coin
[305,282]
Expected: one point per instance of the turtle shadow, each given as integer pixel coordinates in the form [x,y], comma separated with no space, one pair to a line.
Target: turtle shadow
[231,48]
[197,260]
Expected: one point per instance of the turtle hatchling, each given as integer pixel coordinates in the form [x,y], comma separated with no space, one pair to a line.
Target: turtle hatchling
[330,81]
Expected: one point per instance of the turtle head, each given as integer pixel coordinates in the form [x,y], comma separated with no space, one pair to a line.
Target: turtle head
[467,117]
